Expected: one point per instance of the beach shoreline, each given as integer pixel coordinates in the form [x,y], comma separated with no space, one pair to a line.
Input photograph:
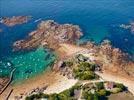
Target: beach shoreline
[53,82]
[50,81]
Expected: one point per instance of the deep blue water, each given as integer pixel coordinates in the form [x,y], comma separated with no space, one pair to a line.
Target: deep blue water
[98,20]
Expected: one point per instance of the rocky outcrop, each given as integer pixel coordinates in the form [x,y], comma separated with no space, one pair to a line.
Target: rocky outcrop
[12,21]
[112,59]
[3,82]
[51,34]
[132,27]
[129,26]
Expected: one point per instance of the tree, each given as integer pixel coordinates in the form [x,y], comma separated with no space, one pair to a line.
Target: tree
[87,75]
[99,85]
[102,92]
[62,96]
[69,63]
[86,66]
[53,97]
[90,96]
[66,92]
[96,97]
[121,86]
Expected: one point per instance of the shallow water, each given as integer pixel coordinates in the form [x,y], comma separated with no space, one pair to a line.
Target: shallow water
[98,20]
[27,64]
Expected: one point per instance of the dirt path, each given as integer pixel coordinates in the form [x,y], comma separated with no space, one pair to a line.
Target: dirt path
[127,82]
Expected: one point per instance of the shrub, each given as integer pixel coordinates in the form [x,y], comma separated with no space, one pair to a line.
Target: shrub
[62,96]
[102,92]
[69,63]
[99,85]
[87,96]
[90,97]
[85,75]
[86,66]
[66,92]
[53,97]
[116,90]
[96,97]
[121,86]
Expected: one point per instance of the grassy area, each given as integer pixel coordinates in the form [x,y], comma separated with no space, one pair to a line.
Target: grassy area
[89,91]
[85,71]
[68,94]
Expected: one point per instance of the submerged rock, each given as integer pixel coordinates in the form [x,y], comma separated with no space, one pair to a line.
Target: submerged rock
[0,30]
[12,21]
[129,26]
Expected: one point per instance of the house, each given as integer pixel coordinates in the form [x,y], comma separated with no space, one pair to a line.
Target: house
[109,85]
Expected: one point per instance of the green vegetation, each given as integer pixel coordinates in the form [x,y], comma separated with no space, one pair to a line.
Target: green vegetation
[120,86]
[90,96]
[99,85]
[37,96]
[69,63]
[102,92]
[85,71]
[90,91]
[116,90]
[65,95]
[97,91]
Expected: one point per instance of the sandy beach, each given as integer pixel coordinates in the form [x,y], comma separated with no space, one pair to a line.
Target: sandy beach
[53,82]
[127,81]
[56,83]
[70,50]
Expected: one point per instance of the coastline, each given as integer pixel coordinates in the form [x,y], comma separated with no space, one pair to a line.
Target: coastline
[49,80]
[110,59]
[119,79]
[53,82]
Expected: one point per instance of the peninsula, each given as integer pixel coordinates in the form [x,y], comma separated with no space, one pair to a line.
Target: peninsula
[75,63]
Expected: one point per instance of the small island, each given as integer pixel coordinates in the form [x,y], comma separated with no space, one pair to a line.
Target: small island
[15,20]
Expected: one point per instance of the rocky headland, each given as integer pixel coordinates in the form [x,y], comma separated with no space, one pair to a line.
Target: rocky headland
[15,20]
[112,59]
[62,39]
[51,34]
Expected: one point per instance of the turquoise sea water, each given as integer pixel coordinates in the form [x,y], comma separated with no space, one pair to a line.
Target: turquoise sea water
[27,64]
[98,20]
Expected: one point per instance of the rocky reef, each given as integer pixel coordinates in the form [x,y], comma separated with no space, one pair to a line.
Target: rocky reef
[0,30]
[12,21]
[112,59]
[129,26]
[51,34]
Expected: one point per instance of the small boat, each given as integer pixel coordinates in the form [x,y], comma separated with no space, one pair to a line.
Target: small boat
[9,64]
[37,20]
